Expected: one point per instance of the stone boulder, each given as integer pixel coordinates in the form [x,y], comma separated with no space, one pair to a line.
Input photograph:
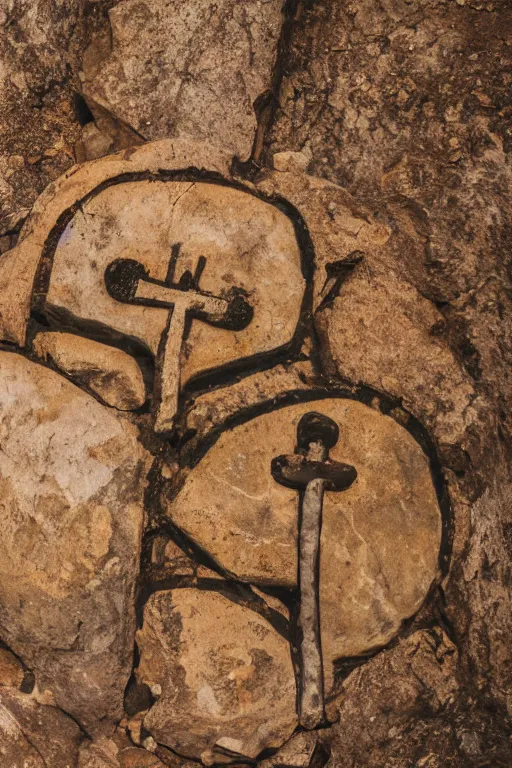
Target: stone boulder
[35,736]
[72,476]
[223,677]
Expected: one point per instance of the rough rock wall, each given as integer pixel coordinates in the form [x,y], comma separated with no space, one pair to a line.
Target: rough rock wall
[404,104]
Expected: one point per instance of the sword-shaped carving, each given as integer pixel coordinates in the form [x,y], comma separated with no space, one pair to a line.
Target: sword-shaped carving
[310,471]
[128,281]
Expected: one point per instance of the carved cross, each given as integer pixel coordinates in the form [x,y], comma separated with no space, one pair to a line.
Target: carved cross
[128,281]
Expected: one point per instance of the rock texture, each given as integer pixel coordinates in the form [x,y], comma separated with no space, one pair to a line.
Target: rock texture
[108,372]
[156,68]
[35,736]
[72,477]
[225,677]
[39,119]
[380,538]
[11,671]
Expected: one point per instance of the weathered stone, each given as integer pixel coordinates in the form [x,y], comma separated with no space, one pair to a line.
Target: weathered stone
[156,68]
[146,220]
[225,674]
[209,410]
[18,267]
[108,372]
[380,538]
[35,736]
[390,344]
[296,753]
[138,758]
[377,700]
[38,116]
[102,753]
[11,671]
[72,476]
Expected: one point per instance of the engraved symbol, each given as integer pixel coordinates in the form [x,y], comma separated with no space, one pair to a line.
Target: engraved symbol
[128,281]
[310,471]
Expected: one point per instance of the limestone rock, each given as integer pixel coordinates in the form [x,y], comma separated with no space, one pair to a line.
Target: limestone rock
[11,671]
[35,736]
[109,372]
[148,221]
[156,70]
[225,674]
[390,343]
[72,475]
[138,758]
[380,538]
[297,752]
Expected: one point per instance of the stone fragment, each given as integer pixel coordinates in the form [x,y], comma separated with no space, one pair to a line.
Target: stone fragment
[11,671]
[296,753]
[36,132]
[156,70]
[72,476]
[35,736]
[380,538]
[109,372]
[138,758]
[390,343]
[209,410]
[226,677]
[292,161]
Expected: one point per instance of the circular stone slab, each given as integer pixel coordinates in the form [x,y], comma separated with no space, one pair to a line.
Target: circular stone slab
[380,538]
[248,244]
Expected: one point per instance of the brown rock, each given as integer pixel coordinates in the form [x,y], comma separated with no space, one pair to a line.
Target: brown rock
[378,699]
[226,677]
[390,344]
[109,372]
[11,671]
[35,736]
[138,758]
[296,753]
[232,507]
[72,476]
[157,70]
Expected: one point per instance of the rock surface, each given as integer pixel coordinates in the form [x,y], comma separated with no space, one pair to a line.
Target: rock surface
[225,676]
[108,372]
[35,736]
[39,122]
[11,671]
[156,69]
[416,678]
[72,476]
[144,221]
[380,538]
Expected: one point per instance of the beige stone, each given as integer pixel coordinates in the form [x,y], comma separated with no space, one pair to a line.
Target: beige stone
[143,221]
[138,758]
[380,538]
[108,372]
[35,736]
[226,676]
[11,671]
[296,753]
[72,475]
[158,70]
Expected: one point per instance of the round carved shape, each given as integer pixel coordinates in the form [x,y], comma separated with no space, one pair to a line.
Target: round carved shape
[380,537]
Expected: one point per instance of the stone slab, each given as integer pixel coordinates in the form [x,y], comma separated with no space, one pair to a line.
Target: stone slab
[380,538]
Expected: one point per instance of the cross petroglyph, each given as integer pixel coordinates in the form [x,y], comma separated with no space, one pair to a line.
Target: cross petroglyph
[310,471]
[128,281]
